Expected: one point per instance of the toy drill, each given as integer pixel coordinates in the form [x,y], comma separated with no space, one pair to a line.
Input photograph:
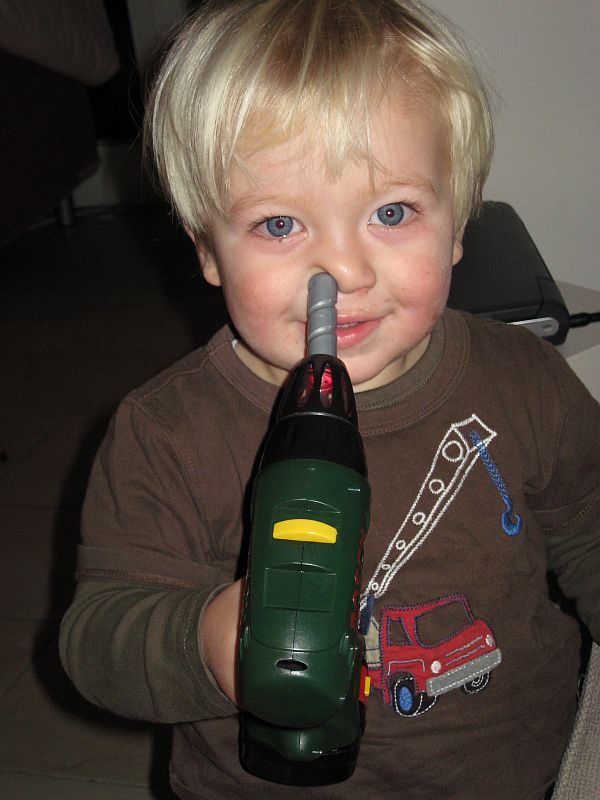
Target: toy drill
[302,678]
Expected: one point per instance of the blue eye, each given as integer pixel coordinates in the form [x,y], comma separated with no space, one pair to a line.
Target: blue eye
[279,226]
[390,214]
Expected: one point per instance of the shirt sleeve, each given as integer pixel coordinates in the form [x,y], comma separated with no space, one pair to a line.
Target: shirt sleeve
[134,650]
[568,504]
[147,568]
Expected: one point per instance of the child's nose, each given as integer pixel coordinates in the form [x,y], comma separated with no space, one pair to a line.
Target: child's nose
[351,269]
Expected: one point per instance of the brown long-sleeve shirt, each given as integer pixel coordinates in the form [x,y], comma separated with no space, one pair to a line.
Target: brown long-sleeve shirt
[484,463]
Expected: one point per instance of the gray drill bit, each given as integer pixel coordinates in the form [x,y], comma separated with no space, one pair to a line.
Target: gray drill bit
[322,316]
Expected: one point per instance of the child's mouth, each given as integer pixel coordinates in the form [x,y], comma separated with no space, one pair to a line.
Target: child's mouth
[351,334]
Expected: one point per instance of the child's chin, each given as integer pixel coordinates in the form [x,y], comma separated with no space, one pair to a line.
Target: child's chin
[365,378]
[368,381]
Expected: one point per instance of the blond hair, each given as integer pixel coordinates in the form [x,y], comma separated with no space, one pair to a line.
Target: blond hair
[240,71]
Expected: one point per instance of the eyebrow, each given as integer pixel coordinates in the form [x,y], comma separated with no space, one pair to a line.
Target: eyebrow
[422,184]
[253,200]
[417,182]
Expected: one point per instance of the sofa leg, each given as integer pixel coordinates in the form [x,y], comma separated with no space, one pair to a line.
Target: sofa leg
[65,212]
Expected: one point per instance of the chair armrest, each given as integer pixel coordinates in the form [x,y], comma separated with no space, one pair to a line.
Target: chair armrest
[579,776]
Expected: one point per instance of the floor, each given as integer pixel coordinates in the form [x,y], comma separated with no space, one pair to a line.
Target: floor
[86,313]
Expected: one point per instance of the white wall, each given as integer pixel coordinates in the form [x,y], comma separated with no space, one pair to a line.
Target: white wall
[544,59]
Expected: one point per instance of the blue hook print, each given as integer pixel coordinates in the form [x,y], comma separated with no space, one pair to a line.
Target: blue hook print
[511,524]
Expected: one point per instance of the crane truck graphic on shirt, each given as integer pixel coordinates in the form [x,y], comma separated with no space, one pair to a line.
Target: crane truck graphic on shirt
[413,666]
[417,653]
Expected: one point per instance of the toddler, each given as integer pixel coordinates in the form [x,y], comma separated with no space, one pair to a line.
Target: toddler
[350,137]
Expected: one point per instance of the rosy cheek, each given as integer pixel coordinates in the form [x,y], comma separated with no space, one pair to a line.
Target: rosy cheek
[242,295]
[427,289]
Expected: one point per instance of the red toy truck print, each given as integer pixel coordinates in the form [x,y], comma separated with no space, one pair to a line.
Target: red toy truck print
[428,649]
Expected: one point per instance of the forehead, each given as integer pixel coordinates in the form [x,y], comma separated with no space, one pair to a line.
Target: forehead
[405,142]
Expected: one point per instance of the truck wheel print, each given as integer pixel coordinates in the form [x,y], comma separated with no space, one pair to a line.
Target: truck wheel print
[407,701]
[476,685]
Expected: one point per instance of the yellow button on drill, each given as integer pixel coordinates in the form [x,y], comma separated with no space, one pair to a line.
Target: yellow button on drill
[305,530]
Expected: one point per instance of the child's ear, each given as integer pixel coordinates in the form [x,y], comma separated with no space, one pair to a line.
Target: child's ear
[457,249]
[206,258]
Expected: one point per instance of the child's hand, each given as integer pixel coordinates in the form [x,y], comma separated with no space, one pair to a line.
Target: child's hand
[219,629]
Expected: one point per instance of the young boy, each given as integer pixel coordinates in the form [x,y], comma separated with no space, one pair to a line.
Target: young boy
[352,138]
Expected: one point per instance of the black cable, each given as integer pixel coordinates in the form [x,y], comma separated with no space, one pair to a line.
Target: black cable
[583,318]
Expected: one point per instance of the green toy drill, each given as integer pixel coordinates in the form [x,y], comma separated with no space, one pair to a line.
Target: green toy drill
[302,678]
